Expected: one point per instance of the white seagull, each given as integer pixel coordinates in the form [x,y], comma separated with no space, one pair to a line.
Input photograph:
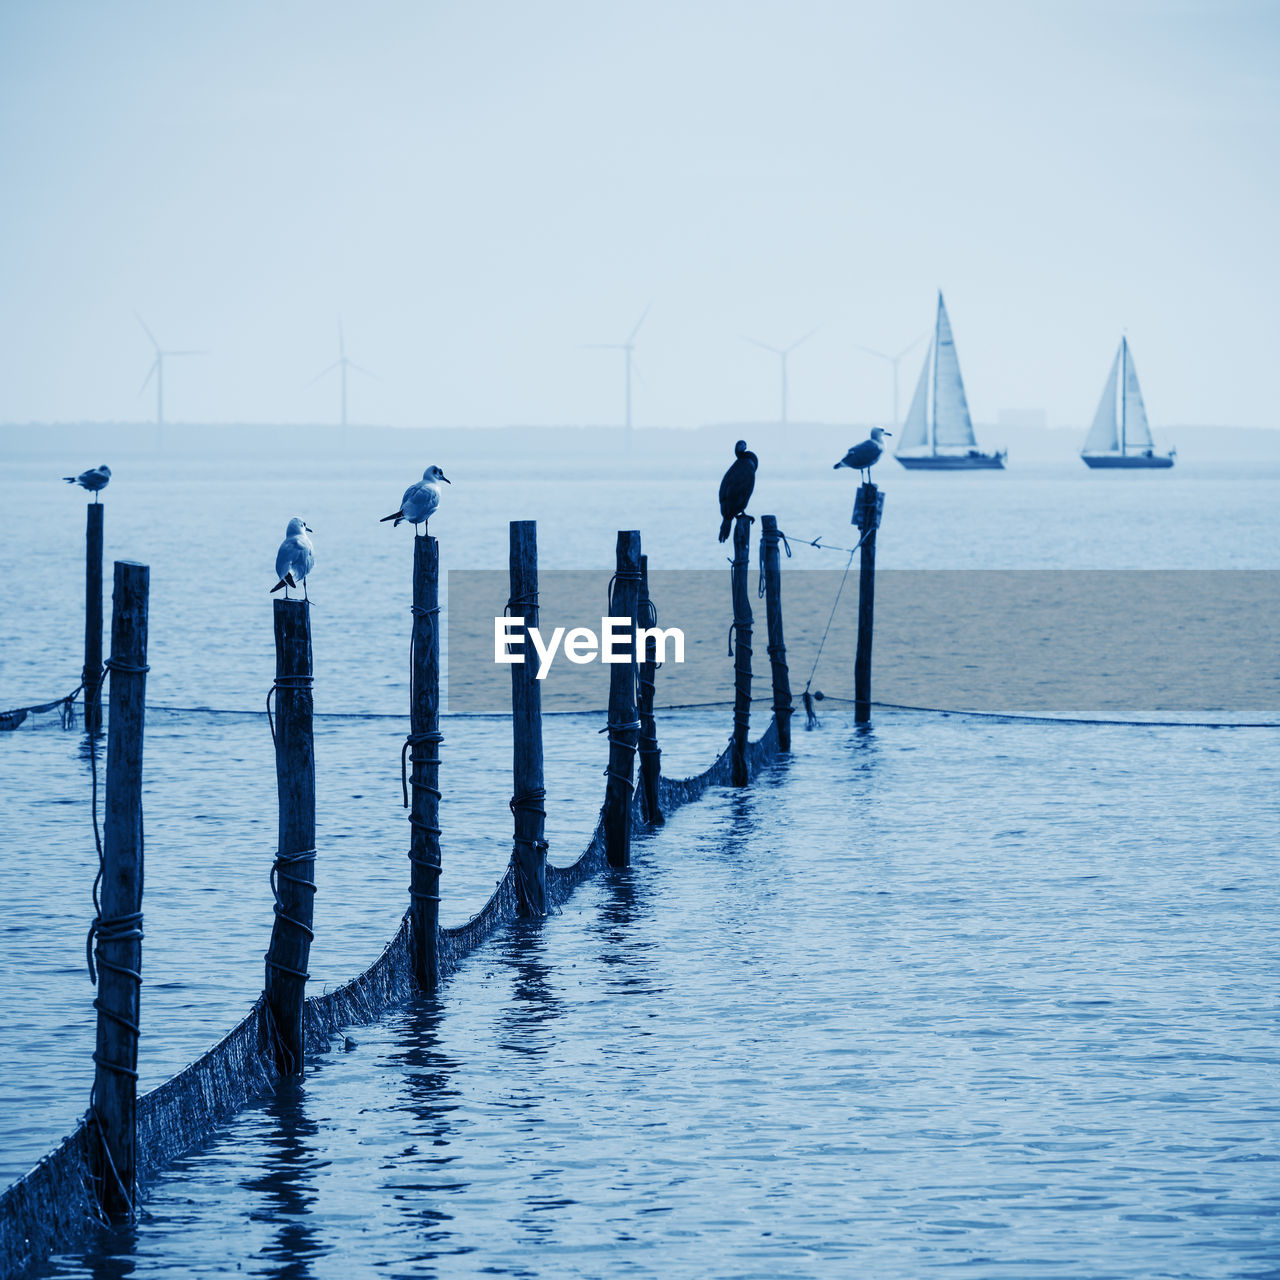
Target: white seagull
[95,479]
[420,500]
[295,558]
[862,457]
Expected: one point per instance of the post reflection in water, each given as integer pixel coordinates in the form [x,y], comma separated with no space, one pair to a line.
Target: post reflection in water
[627,897]
[528,1027]
[111,1256]
[287,1184]
[526,1023]
[416,1176]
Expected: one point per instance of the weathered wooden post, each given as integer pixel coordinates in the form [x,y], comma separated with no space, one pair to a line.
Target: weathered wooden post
[293,874]
[423,746]
[739,775]
[623,723]
[866,515]
[529,794]
[782,708]
[117,930]
[92,674]
[650,755]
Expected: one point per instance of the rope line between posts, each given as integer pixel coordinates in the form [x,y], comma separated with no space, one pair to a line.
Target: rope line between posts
[725,702]
[1085,720]
[811,720]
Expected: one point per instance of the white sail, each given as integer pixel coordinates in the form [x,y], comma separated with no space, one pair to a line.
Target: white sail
[915,430]
[1104,435]
[952,426]
[1136,431]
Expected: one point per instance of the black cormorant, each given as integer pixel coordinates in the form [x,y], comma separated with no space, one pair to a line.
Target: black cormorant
[736,487]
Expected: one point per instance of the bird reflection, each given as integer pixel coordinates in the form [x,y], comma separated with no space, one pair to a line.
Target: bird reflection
[287,1184]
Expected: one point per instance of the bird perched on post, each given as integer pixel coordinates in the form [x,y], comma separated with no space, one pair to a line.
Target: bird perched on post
[94,480]
[736,487]
[862,457]
[295,557]
[420,500]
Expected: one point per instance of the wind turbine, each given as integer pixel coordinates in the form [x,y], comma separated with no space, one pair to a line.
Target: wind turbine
[782,353]
[629,346]
[157,368]
[893,360]
[342,364]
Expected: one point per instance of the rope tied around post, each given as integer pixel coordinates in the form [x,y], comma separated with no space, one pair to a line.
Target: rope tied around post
[279,871]
[622,575]
[419,612]
[613,729]
[109,930]
[127,1194]
[113,942]
[284,682]
[529,802]
[786,546]
[521,604]
[409,756]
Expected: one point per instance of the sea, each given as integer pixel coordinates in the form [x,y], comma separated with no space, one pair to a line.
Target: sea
[947,992]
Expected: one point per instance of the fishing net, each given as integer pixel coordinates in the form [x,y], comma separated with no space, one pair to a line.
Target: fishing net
[60,713]
[54,1203]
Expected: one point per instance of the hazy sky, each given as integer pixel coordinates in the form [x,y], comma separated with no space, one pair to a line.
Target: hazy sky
[480,188]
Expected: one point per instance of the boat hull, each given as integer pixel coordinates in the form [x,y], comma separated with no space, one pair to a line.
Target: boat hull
[953,462]
[1126,461]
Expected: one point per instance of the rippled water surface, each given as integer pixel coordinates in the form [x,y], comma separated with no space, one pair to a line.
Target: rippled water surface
[945,993]
[969,1022]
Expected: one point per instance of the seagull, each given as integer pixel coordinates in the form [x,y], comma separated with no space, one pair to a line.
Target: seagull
[93,480]
[736,487]
[862,457]
[295,558]
[420,500]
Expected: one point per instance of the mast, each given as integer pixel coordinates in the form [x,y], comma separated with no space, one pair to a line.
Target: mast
[1124,381]
[933,415]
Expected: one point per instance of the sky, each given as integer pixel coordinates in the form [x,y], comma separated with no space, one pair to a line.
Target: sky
[481,189]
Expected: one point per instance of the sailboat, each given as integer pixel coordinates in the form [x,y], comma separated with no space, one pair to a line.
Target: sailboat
[1120,436]
[938,433]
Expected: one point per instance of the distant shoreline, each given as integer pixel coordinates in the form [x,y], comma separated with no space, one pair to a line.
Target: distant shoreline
[579,448]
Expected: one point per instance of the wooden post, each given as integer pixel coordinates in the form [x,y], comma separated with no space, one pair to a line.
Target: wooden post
[867,517]
[118,927]
[623,723]
[293,875]
[782,708]
[423,745]
[742,620]
[650,755]
[92,674]
[529,795]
